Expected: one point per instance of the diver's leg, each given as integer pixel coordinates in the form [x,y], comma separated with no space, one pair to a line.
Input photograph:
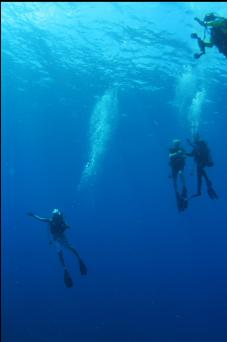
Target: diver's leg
[66,244]
[178,197]
[204,174]
[83,268]
[72,249]
[67,277]
[174,176]
[183,179]
[61,258]
[184,193]
[201,45]
[175,184]
[199,180]
[211,192]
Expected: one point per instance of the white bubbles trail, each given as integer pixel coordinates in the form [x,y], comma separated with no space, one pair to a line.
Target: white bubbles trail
[102,123]
[185,89]
[194,113]
[190,96]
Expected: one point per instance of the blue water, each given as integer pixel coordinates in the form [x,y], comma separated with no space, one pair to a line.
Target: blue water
[92,96]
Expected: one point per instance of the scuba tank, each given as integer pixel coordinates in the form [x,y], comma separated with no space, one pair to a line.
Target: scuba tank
[205,153]
[202,152]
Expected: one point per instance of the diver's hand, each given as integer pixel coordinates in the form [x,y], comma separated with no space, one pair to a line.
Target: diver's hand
[30,214]
[201,22]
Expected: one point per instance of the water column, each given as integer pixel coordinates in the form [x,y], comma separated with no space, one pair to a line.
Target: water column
[102,123]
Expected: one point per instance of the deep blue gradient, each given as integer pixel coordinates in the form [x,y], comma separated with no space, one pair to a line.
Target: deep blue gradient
[153,274]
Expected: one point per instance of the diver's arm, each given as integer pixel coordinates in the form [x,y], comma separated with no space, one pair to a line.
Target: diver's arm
[192,153]
[43,219]
[190,143]
[173,154]
[66,225]
[216,23]
[202,23]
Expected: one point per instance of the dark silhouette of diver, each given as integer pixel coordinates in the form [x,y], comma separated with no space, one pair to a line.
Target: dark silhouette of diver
[177,157]
[57,228]
[202,157]
[218,34]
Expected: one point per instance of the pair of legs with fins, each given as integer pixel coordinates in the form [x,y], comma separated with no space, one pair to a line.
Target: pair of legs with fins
[67,277]
[181,198]
[201,173]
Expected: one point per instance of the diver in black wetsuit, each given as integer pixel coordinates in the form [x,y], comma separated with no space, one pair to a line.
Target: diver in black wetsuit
[202,157]
[177,157]
[57,227]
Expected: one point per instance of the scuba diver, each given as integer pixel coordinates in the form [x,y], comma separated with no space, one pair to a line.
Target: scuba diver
[202,157]
[57,228]
[218,34]
[177,157]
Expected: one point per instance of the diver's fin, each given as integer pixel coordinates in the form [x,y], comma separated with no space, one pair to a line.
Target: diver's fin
[83,268]
[182,202]
[184,198]
[185,202]
[184,192]
[211,193]
[67,279]
[198,55]
[178,202]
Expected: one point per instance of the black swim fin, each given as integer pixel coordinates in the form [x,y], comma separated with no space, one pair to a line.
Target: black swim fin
[182,202]
[184,192]
[185,203]
[67,279]
[211,193]
[184,198]
[83,268]
[178,202]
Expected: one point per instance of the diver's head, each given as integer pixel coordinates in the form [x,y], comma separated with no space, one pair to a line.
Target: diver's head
[209,17]
[57,215]
[176,143]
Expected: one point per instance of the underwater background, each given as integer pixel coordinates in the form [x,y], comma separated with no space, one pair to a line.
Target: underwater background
[92,96]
